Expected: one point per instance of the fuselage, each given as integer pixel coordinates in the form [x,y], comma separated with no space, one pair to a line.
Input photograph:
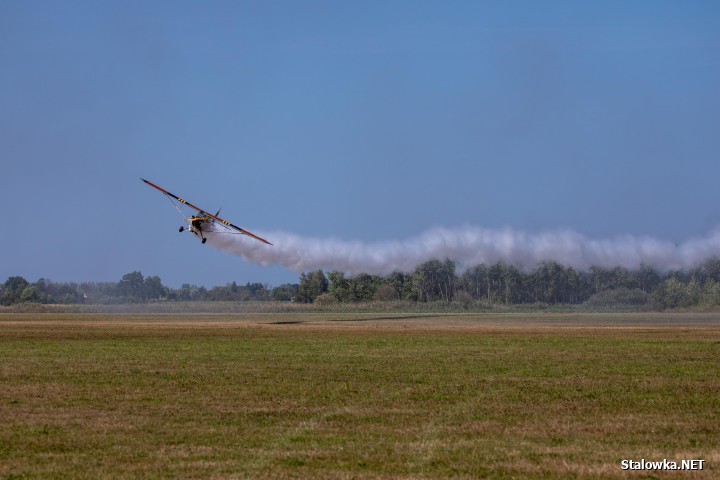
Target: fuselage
[199,225]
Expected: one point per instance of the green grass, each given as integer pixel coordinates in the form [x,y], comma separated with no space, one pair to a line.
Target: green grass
[261,396]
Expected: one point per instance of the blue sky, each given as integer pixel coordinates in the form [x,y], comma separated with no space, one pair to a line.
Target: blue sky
[364,121]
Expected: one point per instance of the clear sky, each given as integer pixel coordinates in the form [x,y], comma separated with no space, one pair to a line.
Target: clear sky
[363,121]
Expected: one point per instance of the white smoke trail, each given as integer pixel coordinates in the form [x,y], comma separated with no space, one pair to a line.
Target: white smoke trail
[468,246]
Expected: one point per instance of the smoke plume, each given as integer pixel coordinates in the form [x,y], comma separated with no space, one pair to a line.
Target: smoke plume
[468,246]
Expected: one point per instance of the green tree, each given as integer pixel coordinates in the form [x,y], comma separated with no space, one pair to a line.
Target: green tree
[647,278]
[339,286]
[434,280]
[311,285]
[476,282]
[693,292]
[153,288]
[511,282]
[362,287]
[495,282]
[600,278]
[401,283]
[131,286]
[255,291]
[285,292]
[710,294]
[571,292]
[30,294]
[672,293]
[12,290]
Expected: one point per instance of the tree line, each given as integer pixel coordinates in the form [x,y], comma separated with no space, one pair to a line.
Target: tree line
[134,288]
[549,283]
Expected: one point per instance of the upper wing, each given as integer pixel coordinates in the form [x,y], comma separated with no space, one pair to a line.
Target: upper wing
[214,217]
[173,196]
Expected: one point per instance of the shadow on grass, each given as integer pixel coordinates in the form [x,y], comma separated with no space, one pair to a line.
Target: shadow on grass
[373,318]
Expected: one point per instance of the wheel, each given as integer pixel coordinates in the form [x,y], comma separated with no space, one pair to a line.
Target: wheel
[204,240]
[181,229]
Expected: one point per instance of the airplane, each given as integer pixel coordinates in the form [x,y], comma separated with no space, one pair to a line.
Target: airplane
[204,222]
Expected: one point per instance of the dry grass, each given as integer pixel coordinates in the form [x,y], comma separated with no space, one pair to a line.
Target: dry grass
[303,395]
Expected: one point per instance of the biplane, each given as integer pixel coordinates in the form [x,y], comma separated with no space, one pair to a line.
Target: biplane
[203,222]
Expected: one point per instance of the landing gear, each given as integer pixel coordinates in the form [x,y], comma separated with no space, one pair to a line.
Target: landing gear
[204,240]
[182,229]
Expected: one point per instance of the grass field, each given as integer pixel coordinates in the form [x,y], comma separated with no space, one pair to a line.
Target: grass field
[357,395]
